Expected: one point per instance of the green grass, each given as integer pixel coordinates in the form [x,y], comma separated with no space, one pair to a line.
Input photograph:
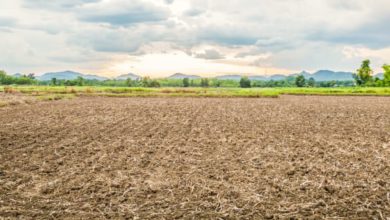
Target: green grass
[60,92]
[349,91]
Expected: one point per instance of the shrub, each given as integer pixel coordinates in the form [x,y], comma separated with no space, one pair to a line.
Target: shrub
[9,89]
[245,82]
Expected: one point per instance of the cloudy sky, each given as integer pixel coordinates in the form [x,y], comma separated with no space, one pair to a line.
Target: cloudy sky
[205,37]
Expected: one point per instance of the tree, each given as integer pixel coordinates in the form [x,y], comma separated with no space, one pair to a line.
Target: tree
[300,81]
[80,81]
[217,83]
[31,76]
[53,81]
[204,82]
[154,83]
[364,74]
[3,75]
[186,82]
[147,82]
[245,82]
[386,75]
[311,82]
[129,82]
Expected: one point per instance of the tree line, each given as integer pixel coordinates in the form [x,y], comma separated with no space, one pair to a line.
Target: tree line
[363,77]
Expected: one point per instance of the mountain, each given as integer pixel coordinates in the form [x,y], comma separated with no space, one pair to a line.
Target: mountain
[69,75]
[17,75]
[321,75]
[229,77]
[380,75]
[256,77]
[131,76]
[327,75]
[277,77]
[182,76]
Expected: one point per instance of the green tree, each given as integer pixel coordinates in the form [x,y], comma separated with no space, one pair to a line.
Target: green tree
[129,82]
[154,83]
[31,76]
[364,74]
[80,81]
[311,82]
[3,75]
[217,83]
[300,81]
[245,82]
[186,82]
[148,82]
[204,82]
[53,81]
[386,75]
[145,81]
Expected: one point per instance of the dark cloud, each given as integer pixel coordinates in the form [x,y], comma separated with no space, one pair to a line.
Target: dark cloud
[55,4]
[121,13]
[373,35]
[7,22]
[226,35]
[108,41]
[118,40]
[345,4]
[210,55]
[193,12]
[125,19]
[169,1]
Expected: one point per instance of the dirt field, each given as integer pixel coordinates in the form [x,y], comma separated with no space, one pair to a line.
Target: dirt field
[196,158]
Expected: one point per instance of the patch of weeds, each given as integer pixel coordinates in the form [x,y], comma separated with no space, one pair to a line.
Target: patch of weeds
[55,97]
[3,104]
[9,89]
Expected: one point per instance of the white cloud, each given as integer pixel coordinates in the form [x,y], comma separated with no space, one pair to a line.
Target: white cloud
[286,35]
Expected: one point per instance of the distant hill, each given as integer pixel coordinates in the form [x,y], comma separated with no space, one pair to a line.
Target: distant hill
[17,75]
[327,75]
[380,75]
[229,77]
[321,75]
[182,76]
[277,77]
[131,76]
[258,78]
[69,75]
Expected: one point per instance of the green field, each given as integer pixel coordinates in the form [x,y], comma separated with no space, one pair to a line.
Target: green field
[56,92]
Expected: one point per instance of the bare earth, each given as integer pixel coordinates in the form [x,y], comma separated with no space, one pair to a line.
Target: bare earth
[196,158]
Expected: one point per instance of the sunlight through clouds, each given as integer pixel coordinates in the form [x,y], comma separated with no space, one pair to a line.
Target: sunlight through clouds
[161,37]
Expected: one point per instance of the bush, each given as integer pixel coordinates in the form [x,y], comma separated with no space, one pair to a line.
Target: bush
[300,81]
[245,82]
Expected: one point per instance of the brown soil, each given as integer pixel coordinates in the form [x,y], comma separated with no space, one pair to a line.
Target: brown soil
[196,158]
[7,100]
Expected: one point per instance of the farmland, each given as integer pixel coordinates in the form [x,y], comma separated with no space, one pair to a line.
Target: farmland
[60,92]
[87,154]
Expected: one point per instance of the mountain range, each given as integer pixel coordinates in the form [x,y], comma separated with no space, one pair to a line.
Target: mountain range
[182,76]
[131,76]
[321,75]
[69,75]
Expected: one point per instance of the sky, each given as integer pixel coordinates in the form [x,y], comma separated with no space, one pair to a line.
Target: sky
[205,37]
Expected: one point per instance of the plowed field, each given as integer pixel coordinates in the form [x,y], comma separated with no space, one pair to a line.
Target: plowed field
[196,158]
